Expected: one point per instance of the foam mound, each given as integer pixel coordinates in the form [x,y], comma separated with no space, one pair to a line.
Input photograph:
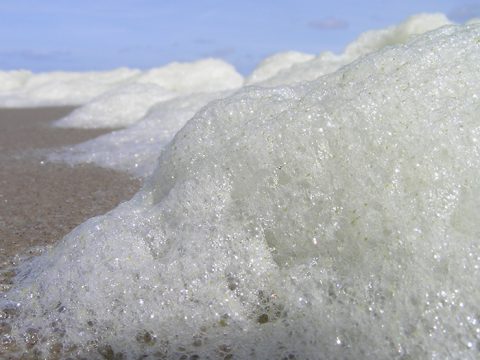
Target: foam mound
[366,43]
[25,89]
[128,104]
[119,107]
[136,148]
[331,219]
[272,65]
[206,75]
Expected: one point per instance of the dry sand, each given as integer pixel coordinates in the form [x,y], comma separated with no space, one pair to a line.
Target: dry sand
[40,202]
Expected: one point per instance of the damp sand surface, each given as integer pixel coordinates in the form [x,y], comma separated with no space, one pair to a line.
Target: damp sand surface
[40,202]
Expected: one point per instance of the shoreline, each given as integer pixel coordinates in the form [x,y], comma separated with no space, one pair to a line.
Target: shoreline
[41,201]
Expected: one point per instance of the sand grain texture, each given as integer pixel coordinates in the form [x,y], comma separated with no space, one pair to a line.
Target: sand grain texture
[41,201]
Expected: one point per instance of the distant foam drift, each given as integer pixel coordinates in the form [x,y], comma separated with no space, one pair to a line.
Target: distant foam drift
[125,105]
[24,89]
[336,218]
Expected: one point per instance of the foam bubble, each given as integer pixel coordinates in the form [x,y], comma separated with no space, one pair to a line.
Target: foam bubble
[332,219]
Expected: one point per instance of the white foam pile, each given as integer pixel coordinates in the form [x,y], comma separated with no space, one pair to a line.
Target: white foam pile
[135,149]
[370,41]
[23,89]
[274,64]
[331,219]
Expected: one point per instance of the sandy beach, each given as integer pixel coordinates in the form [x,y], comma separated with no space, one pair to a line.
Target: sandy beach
[42,201]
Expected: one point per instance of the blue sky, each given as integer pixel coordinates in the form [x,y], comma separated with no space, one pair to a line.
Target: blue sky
[45,35]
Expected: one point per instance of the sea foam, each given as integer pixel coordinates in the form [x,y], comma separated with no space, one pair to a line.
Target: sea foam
[134,149]
[272,65]
[25,89]
[335,218]
[366,43]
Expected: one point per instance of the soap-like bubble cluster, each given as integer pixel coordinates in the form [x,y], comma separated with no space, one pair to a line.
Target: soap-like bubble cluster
[330,219]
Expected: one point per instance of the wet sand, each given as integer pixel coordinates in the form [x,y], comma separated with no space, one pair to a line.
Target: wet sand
[40,202]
